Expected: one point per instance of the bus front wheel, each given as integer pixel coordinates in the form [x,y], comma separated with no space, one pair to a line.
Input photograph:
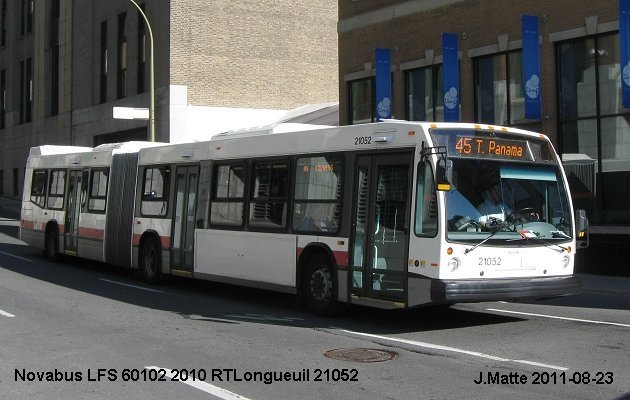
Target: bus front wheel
[319,286]
[150,260]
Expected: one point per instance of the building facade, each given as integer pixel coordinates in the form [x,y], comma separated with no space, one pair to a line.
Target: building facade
[582,110]
[64,64]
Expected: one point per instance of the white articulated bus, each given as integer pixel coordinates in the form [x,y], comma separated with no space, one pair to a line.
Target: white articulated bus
[79,201]
[391,214]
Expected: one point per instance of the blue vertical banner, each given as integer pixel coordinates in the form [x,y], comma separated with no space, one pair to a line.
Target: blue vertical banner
[531,66]
[383,84]
[450,59]
[624,45]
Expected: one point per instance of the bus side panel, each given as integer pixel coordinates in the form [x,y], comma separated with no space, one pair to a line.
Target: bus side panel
[91,236]
[252,256]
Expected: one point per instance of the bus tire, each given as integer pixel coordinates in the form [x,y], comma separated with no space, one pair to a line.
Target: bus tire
[319,286]
[150,261]
[51,244]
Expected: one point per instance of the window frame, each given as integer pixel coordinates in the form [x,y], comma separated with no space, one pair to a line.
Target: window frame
[372,81]
[435,90]
[339,201]
[243,199]
[91,196]
[424,165]
[251,201]
[166,190]
[44,192]
[57,195]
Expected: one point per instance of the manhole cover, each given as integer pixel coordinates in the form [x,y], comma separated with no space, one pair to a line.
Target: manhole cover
[361,355]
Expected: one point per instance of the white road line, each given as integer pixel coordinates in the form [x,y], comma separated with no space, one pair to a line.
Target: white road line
[14,256]
[6,314]
[557,317]
[132,286]
[456,350]
[204,386]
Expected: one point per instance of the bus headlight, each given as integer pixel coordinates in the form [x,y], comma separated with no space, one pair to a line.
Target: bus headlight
[454,263]
[565,261]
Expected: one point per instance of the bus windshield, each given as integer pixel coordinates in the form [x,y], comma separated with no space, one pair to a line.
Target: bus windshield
[512,201]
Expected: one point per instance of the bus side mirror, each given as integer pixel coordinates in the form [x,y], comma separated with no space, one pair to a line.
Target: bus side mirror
[581,229]
[444,174]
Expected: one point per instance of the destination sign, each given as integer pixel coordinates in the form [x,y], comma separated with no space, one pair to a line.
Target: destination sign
[491,147]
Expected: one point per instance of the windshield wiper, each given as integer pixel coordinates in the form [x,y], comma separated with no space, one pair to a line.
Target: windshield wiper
[496,228]
[533,236]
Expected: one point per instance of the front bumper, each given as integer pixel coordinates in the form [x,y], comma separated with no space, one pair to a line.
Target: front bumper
[476,290]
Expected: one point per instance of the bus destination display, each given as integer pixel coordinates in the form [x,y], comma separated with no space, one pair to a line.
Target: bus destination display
[491,147]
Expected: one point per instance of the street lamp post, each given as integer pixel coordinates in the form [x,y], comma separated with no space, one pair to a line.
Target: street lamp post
[151,77]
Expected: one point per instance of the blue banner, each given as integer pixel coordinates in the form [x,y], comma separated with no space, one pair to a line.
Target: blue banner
[383,84]
[624,44]
[531,67]
[450,60]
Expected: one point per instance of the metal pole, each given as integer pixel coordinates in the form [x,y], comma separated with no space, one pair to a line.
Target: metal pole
[151,77]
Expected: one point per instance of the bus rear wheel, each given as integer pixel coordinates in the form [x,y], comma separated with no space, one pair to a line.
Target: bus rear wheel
[319,286]
[51,245]
[150,260]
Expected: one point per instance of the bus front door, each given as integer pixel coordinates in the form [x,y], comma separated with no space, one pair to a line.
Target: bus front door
[182,252]
[381,226]
[76,195]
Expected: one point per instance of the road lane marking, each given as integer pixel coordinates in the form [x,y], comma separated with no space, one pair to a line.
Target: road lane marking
[204,386]
[6,314]
[132,286]
[14,256]
[557,317]
[456,350]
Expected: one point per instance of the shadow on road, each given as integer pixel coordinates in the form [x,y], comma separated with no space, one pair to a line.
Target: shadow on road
[223,303]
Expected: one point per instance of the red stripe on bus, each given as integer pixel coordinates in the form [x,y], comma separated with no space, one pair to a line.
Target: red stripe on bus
[91,233]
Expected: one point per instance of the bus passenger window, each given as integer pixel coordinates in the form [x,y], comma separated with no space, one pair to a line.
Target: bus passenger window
[155,192]
[317,194]
[56,188]
[38,187]
[426,202]
[98,189]
[269,195]
[228,195]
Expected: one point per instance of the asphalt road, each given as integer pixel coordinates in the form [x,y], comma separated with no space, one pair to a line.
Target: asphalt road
[77,330]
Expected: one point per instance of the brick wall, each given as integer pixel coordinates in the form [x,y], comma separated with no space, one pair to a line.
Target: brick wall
[259,54]
[481,20]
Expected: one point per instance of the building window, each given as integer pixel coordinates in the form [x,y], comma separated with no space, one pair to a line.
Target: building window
[361,100]
[122,56]
[3,97]
[103,87]
[142,53]
[54,63]
[593,123]
[26,90]
[26,21]
[499,96]
[3,23]
[16,182]
[1,182]
[425,95]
